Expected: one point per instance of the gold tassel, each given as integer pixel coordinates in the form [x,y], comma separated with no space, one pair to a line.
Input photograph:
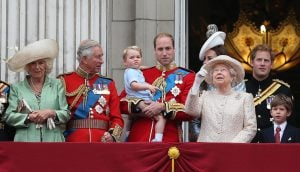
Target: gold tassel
[173,154]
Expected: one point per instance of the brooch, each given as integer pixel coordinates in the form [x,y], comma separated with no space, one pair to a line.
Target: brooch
[175,91]
[102,101]
[98,109]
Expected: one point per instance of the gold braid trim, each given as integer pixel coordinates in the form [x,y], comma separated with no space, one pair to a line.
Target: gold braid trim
[130,102]
[282,82]
[135,101]
[82,89]
[116,132]
[174,107]
[266,93]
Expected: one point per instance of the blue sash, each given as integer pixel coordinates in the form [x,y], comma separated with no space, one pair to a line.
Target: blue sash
[81,111]
[170,81]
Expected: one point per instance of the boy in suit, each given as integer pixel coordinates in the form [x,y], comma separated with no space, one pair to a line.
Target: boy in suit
[281,131]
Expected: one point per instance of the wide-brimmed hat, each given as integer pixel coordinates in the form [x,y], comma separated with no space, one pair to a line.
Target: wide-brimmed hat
[214,40]
[228,61]
[42,49]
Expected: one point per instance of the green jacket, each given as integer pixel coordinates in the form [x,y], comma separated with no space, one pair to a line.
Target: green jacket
[52,97]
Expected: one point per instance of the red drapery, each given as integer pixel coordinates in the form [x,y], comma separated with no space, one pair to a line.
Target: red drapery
[147,157]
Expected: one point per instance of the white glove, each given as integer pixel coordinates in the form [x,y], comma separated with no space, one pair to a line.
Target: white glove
[50,123]
[200,76]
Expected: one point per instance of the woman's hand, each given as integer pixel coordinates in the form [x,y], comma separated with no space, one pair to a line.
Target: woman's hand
[40,116]
[200,76]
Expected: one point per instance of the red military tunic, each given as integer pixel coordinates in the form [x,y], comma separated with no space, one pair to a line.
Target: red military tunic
[93,104]
[179,81]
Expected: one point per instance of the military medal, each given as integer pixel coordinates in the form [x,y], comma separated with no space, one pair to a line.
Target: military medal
[98,109]
[107,111]
[96,89]
[178,78]
[104,89]
[258,93]
[102,101]
[175,91]
[269,100]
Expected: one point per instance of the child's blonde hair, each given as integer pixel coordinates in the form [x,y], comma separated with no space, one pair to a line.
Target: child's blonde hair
[134,47]
[282,99]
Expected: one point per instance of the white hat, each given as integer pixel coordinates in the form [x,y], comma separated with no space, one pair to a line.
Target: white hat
[42,49]
[214,40]
[226,60]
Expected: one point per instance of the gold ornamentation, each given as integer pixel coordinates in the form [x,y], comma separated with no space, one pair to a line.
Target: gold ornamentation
[266,93]
[166,68]
[173,153]
[282,82]
[117,131]
[174,107]
[284,41]
[161,84]
[84,74]
[130,102]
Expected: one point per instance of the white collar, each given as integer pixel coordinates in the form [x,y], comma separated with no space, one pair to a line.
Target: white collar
[282,125]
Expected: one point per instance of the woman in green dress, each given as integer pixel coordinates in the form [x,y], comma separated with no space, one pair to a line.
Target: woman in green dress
[37,105]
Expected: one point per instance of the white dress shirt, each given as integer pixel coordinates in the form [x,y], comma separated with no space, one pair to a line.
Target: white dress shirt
[282,128]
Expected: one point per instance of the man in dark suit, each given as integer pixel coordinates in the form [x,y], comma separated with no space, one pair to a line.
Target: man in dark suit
[7,133]
[264,86]
[281,131]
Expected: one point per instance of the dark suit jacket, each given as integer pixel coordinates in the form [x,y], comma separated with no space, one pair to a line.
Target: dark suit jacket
[290,135]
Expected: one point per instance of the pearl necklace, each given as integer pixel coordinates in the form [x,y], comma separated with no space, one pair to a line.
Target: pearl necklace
[35,90]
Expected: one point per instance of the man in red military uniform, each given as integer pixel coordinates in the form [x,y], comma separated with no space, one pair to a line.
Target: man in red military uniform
[93,99]
[174,84]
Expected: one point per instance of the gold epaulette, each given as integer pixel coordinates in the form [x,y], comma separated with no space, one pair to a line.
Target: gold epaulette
[281,82]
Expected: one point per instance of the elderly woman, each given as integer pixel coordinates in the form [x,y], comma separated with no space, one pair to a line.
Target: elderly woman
[226,115]
[37,105]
